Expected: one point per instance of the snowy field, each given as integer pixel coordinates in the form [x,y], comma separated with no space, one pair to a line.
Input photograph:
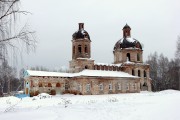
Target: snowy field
[163,105]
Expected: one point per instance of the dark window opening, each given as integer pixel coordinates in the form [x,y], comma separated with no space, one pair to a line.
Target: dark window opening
[86,67]
[132,72]
[144,73]
[144,85]
[128,57]
[79,48]
[139,73]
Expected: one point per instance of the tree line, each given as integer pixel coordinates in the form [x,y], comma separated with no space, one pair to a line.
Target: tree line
[165,73]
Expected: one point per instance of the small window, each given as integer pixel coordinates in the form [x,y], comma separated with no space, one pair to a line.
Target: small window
[86,67]
[139,73]
[119,86]
[128,57]
[101,87]
[79,48]
[138,57]
[66,86]
[110,86]
[40,84]
[49,85]
[86,50]
[144,73]
[133,72]
[88,87]
[58,85]
[135,86]
[79,88]
[127,86]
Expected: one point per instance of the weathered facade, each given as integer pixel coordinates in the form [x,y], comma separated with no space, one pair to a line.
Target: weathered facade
[128,73]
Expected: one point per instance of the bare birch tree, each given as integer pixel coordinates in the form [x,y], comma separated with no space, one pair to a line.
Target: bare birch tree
[13,38]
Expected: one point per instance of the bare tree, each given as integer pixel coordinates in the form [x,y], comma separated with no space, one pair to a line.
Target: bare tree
[178,48]
[12,37]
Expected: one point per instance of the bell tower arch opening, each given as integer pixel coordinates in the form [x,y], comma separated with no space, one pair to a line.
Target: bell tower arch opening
[128,57]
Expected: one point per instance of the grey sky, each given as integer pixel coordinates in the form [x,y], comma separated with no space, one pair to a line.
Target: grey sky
[155,23]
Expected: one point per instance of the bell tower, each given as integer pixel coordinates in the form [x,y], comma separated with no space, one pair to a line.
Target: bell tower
[81,50]
[81,43]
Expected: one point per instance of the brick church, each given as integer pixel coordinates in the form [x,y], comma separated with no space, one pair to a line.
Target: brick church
[127,74]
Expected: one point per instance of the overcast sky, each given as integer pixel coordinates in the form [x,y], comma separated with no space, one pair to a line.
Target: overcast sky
[155,23]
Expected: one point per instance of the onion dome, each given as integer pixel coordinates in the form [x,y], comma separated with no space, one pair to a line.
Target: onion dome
[127,42]
[81,33]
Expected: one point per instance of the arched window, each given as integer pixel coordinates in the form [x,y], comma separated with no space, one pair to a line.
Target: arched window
[40,84]
[144,73]
[73,49]
[86,50]
[128,57]
[138,57]
[58,85]
[139,73]
[49,85]
[133,72]
[79,48]
[66,86]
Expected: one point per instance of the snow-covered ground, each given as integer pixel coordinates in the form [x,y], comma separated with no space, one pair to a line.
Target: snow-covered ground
[163,105]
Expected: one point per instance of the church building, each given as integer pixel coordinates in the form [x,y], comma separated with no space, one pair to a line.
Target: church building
[127,74]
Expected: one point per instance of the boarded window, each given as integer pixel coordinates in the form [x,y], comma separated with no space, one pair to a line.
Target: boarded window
[49,85]
[58,85]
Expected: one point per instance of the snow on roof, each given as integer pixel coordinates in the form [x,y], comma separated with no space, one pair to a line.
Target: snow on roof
[118,65]
[85,58]
[46,73]
[102,73]
[92,73]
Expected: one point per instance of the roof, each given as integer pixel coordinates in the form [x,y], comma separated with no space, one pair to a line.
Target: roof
[46,73]
[81,33]
[127,42]
[90,73]
[126,26]
[102,73]
[106,64]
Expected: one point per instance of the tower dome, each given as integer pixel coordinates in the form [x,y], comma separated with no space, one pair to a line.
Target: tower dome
[81,33]
[127,41]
